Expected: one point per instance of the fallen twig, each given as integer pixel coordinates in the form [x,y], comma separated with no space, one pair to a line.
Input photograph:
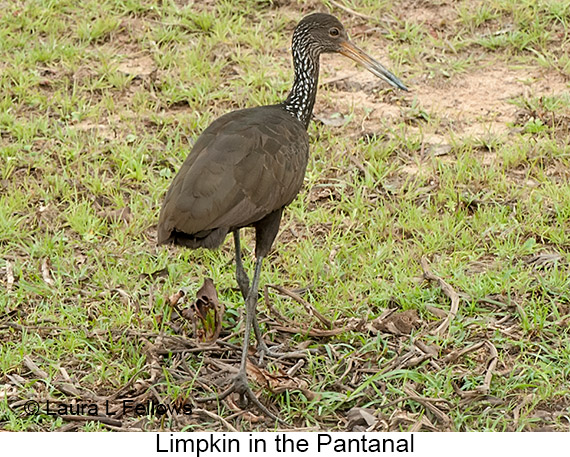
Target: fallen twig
[447,290]
[436,311]
[467,396]
[416,420]
[311,332]
[414,398]
[272,309]
[293,370]
[517,411]
[453,356]
[65,388]
[128,385]
[30,365]
[211,415]
[308,307]
[358,164]
[190,350]
[484,389]
[426,349]
[413,362]
[438,413]
[336,79]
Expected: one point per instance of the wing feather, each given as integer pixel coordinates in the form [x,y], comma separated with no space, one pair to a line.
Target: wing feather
[245,165]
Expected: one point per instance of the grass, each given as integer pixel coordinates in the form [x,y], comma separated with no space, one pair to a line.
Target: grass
[99,106]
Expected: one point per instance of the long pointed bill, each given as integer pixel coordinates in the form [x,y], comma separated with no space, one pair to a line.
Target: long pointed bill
[358,55]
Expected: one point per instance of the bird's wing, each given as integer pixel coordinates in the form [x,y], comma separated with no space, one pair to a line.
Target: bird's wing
[244,166]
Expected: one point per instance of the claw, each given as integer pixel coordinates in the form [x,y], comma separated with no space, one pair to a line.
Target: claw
[241,387]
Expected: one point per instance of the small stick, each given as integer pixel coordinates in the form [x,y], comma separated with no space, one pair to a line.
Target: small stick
[441,416]
[517,411]
[211,415]
[414,398]
[484,389]
[330,81]
[127,386]
[65,388]
[447,290]
[453,356]
[310,332]
[272,309]
[161,401]
[30,365]
[293,370]
[308,307]
[358,164]
[189,350]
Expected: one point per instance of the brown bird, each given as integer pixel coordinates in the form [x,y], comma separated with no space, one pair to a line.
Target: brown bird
[248,165]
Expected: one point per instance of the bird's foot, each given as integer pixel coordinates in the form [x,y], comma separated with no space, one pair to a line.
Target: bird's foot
[246,395]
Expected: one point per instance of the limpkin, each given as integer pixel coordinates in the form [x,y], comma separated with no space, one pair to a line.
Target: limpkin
[248,165]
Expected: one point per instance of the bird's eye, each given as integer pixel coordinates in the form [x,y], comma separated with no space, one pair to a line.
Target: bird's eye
[334,32]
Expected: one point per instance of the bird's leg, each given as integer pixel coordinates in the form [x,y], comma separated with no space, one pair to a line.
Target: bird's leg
[241,275]
[251,306]
[243,283]
[240,384]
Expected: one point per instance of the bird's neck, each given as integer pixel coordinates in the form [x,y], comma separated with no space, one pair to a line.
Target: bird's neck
[301,99]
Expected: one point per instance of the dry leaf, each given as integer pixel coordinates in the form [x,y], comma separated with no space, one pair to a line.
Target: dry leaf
[359,419]
[207,310]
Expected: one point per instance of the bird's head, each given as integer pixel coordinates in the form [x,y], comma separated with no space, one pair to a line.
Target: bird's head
[322,33]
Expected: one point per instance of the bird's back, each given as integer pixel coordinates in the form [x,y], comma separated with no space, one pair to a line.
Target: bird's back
[245,165]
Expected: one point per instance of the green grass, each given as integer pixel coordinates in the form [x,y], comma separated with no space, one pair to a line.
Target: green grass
[99,106]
